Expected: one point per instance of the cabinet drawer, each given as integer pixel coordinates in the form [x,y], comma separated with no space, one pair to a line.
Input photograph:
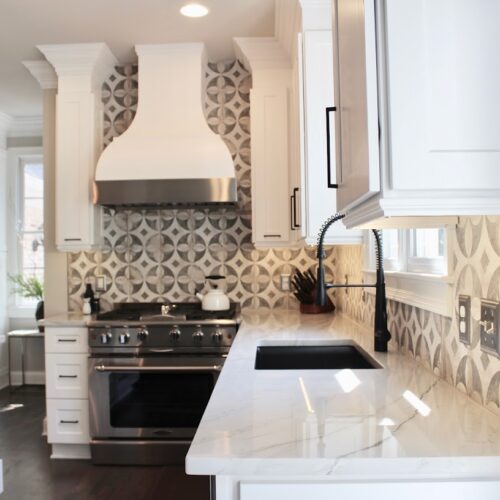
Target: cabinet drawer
[68,421]
[66,376]
[61,340]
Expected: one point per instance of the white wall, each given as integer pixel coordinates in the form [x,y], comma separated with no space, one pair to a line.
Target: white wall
[3,252]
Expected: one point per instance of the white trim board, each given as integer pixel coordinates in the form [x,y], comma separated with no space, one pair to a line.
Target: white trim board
[429,292]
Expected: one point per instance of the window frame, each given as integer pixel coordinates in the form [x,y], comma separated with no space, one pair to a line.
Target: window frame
[412,285]
[17,157]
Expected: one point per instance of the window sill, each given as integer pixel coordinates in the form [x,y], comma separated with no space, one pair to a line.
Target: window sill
[426,291]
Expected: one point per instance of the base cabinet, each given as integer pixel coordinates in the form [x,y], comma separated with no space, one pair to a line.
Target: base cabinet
[66,360]
[458,490]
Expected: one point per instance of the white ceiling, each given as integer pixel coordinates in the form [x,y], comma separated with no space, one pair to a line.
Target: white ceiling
[119,23]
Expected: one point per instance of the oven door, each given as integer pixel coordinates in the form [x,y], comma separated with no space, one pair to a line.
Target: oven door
[152,397]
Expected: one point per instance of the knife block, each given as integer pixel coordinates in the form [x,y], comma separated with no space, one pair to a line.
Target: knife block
[315,309]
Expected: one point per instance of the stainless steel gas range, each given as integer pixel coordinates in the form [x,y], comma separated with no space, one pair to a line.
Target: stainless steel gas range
[152,369]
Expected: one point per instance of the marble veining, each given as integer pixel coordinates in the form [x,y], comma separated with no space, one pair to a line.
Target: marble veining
[337,422]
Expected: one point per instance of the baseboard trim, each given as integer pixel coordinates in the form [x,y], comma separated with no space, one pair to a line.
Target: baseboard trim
[30,378]
[4,378]
[70,452]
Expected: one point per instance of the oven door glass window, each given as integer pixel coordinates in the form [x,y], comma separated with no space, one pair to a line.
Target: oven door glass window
[158,399]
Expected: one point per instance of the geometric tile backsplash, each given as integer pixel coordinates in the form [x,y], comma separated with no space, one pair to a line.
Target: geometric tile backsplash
[434,339]
[150,255]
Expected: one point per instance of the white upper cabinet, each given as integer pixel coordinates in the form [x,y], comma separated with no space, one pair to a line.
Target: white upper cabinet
[81,69]
[270,131]
[315,60]
[419,110]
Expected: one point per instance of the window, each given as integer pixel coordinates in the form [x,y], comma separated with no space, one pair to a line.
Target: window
[416,267]
[415,250]
[30,255]
[25,244]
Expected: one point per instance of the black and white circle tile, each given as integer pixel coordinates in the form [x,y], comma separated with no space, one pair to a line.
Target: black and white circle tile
[150,255]
[431,338]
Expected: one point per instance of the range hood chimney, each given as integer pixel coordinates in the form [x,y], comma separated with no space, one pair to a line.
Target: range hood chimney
[168,155]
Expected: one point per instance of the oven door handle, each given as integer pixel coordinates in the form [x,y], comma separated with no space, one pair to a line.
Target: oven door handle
[104,368]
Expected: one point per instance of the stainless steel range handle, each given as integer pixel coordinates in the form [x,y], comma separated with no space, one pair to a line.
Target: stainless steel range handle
[104,368]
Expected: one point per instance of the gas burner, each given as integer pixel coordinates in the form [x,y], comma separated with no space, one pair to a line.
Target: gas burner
[153,311]
[158,327]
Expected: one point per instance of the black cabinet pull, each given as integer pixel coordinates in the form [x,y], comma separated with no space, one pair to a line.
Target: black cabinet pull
[66,340]
[292,208]
[331,184]
[68,376]
[68,421]
[294,196]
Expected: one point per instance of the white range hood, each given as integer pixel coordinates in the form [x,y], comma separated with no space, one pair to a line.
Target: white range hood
[168,155]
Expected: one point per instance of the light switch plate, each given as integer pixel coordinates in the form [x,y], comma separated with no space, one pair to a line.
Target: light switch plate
[464,319]
[285,282]
[100,283]
[490,326]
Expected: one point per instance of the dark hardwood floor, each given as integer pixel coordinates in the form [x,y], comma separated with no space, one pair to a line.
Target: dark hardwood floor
[30,474]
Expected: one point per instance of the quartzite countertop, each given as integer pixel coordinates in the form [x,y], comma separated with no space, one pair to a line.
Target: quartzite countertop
[338,423]
[66,319]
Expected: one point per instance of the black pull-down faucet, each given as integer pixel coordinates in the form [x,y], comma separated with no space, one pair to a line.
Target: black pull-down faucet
[381,332]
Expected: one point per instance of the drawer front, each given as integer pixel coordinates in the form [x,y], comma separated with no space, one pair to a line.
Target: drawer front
[66,340]
[68,421]
[66,376]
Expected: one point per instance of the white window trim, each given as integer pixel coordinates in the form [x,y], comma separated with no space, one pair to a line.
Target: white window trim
[14,158]
[430,292]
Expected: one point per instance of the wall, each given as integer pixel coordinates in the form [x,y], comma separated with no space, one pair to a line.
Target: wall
[3,250]
[433,339]
[165,254]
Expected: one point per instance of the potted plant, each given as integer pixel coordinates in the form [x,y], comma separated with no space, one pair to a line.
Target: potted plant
[30,288]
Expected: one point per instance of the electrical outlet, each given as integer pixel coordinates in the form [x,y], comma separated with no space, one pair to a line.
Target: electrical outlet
[464,326]
[285,282]
[490,326]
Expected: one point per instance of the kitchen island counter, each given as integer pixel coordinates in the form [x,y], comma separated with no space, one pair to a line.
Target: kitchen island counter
[397,422]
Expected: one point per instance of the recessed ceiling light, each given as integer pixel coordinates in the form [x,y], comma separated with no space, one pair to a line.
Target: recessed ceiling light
[194,10]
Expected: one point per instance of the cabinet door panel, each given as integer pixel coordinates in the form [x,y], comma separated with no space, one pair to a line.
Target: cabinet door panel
[444,106]
[320,200]
[356,94]
[270,200]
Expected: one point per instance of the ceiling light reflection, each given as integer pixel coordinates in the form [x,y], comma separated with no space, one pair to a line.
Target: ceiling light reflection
[417,403]
[386,422]
[347,380]
[310,409]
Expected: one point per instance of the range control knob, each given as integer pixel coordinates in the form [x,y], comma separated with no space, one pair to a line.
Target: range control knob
[175,333]
[218,335]
[123,338]
[198,334]
[106,337]
[143,333]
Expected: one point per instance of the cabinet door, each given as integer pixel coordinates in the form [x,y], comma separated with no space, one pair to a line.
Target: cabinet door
[66,340]
[66,376]
[443,101]
[319,199]
[270,198]
[355,82]
[78,144]
[68,421]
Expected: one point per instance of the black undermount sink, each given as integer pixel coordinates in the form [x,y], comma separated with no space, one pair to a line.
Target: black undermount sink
[313,357]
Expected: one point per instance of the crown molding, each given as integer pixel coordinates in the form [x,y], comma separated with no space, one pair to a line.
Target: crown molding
[26,126]
[287,23]
[316,14]
[80,66]
[43,73]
